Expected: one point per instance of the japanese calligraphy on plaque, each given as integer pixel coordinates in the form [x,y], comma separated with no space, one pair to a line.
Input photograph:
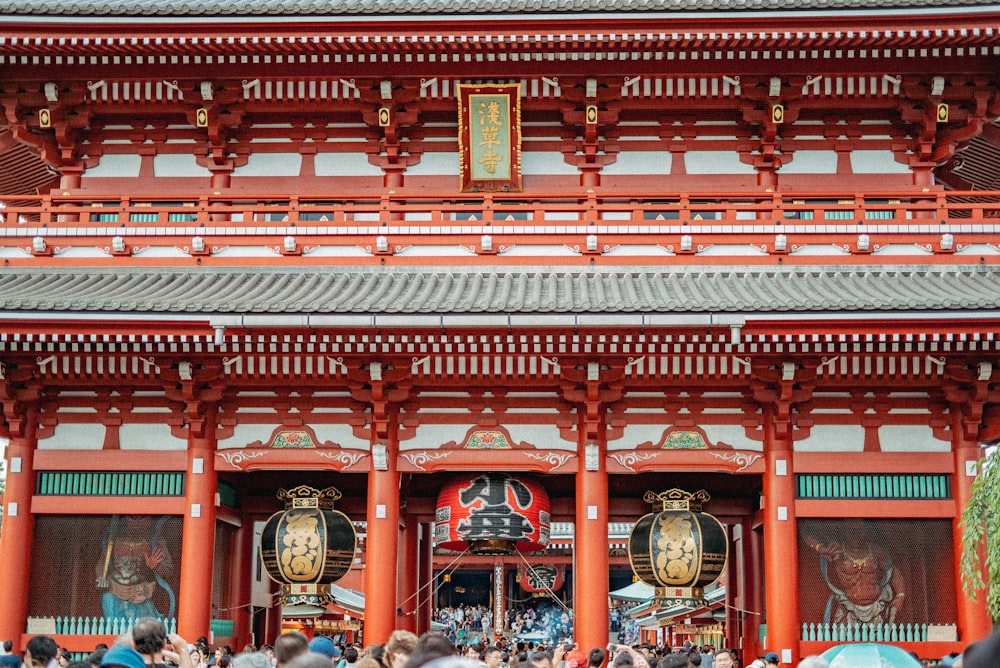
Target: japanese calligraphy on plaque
[489,137]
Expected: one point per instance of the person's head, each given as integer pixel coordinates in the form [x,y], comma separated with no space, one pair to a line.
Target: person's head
[472,651]
[8,646]
[351,654]
[983,653]
[723,659]
[492,656]
[149,635]
[673,661]
[290,645]
[323,645]
[771,659]
[368,662]
[95,657]
[121,656]
[398,648]
[596,657]
[540,660]
[814,662]
[431,645]
[310,660]
[39,651]
[623,660]
[252,660]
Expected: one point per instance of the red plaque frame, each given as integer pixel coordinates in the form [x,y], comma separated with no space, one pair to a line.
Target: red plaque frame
[489,137]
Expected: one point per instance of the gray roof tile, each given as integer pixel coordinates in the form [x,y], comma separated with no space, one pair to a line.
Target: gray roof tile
[343,291]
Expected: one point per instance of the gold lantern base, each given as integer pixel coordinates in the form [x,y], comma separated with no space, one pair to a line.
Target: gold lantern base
[690,597]
[305,594]
[493,546]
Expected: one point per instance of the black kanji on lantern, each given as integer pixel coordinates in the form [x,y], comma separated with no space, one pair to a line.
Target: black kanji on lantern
[494,518]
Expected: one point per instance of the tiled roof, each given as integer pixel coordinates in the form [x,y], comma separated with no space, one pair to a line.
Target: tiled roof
[441,7]
[536,291]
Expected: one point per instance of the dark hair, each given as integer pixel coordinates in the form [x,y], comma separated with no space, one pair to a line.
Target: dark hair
[290,645]
[95,657]
[351,654]
[149,634]
[43,649]
[597,657]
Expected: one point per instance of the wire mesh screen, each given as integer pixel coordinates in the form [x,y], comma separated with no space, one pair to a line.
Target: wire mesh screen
[105,567]
[890,576]
[222,571]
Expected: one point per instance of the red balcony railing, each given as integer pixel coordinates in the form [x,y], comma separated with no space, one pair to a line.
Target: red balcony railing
[635,224]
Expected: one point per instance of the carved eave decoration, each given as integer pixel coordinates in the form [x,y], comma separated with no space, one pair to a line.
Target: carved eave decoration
[466,454]
[296,448]
[685,448]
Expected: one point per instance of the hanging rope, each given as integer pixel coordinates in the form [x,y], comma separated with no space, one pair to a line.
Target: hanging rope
[430,597]
[546,589]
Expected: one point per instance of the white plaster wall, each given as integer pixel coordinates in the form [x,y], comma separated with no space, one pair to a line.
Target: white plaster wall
[634,434]
[812,162]
[543,436]
[545,163]
[74,437]
[271,164]
[245,434]
[149,437]
[715,162]
[342,435]
[876,162]
[731,434]
[639,162]
[435,164]
[345,164]
[910,438]
[833,438]
[116,165]
[178,164]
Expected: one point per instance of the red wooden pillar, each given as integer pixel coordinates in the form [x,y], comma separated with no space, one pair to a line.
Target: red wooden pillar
[408,566]
[974,622]
[382,543]
[18,530]
[590,555]
[194,601]
[781,567]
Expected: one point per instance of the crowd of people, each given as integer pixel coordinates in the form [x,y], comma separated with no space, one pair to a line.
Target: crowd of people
[148,645]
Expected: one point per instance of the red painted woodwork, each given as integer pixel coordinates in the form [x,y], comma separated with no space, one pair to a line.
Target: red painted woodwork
[781,592]
[380,563]
[730,219]
[18,536]
[194,603]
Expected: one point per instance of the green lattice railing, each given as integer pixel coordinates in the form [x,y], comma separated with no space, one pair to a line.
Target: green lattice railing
[868,632]
[872,486]
[110,483]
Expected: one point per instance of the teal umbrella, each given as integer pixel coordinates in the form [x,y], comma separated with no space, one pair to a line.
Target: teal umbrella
[869,655]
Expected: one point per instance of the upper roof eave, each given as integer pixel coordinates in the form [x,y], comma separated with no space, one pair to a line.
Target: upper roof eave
[380,9]
[649,296]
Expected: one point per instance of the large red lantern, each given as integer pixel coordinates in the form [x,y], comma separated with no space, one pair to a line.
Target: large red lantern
[308,546]
[492,513]
[678,549]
